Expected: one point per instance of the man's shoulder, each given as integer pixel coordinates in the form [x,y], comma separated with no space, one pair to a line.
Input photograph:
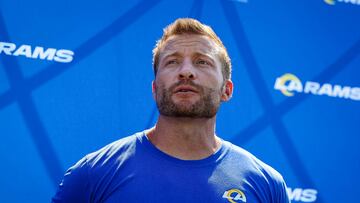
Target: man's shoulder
[118,149]
[254,165]
[95,169]
[267,181]
[99,162]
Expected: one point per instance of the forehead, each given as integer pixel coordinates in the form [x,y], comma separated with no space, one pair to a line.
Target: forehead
[190,43]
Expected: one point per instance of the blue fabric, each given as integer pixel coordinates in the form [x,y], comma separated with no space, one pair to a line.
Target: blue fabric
[132,169]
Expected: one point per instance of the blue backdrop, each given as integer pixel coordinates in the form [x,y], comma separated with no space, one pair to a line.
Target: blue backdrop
[76,75]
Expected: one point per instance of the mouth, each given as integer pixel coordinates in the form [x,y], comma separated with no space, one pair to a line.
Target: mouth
[185,89]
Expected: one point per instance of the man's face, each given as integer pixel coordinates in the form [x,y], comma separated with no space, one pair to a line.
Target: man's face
[189,80]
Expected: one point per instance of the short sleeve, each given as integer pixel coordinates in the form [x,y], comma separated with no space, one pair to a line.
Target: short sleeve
[75,186]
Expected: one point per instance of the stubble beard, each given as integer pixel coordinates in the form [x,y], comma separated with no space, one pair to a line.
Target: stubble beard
[206,107]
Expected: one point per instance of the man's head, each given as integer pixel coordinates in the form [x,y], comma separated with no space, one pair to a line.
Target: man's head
[183,26]
[192,71]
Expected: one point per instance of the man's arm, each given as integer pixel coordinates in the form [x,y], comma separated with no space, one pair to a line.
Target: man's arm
[74,186]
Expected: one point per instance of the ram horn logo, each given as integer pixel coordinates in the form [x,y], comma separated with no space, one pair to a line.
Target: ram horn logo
[330,2]
[287,83]
[234,196]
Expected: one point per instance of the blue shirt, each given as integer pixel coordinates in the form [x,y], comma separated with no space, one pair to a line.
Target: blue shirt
[132,169]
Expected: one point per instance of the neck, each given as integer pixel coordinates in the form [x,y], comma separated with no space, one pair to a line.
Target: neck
[185,138]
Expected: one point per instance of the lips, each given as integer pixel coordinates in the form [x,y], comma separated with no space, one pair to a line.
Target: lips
[185,89]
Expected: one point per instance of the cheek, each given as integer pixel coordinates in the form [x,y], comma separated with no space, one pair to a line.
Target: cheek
[160,87]
[163,77]
[166,72]
[213,80]
[158,84]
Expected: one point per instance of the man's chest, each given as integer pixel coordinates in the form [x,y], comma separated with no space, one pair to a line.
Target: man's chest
[178,186]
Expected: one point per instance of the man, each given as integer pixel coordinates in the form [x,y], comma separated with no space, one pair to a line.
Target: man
[180,159]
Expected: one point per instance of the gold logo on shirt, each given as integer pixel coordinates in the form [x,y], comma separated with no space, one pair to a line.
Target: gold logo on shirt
[234,196]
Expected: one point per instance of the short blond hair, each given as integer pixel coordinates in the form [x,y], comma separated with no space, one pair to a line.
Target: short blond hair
[191,26]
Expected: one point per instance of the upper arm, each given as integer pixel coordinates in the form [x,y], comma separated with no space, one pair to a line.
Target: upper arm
[74,186]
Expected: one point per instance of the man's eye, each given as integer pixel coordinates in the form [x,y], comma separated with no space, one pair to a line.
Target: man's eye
[202,62]
[171,62]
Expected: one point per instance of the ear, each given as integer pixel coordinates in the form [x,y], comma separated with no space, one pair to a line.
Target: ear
[153,89]
[227,91]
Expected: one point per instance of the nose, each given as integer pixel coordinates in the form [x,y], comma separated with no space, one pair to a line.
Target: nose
[186,71]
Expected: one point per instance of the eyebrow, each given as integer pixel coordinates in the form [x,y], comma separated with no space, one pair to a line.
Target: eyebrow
[174,54]
[197,54]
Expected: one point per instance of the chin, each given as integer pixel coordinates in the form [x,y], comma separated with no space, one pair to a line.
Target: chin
[187,100]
